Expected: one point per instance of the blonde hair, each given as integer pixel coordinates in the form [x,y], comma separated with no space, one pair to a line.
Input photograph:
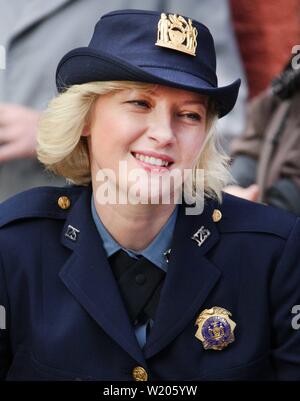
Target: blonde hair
[64,151]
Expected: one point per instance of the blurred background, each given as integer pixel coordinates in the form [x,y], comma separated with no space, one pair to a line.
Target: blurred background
[257,41]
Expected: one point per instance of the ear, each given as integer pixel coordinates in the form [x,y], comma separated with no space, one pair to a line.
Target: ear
[86,131]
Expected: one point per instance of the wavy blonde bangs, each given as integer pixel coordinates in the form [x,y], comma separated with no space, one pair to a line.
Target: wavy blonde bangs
[64,151]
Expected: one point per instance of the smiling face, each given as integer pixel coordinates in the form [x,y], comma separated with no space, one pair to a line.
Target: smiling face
[155,130]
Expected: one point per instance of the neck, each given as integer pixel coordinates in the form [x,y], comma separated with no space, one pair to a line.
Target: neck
[133,226]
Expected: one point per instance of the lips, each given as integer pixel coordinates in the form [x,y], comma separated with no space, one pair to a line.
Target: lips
[153,158]
[151,162]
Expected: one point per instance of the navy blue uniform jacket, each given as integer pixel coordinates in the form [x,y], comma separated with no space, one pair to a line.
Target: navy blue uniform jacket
[65,318]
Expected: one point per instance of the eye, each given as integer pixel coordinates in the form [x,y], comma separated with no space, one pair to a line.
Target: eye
[192,116]
[144,104]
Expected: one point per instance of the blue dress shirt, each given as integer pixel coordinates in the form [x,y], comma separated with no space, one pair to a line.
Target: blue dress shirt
[153,252]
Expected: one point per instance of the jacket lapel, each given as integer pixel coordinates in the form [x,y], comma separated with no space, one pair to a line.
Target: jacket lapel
[88,276]
[189,281]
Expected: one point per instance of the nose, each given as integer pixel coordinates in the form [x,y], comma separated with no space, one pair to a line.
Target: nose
[160,128]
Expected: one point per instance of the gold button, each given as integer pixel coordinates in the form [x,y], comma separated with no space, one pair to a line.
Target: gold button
[139,374]
[64,202]
[217,215]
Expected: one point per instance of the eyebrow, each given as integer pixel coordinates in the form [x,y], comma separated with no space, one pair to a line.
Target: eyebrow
[191,101]
[151,92]
[202,102]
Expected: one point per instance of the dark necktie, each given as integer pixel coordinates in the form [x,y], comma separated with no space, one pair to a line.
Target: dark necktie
[139,282]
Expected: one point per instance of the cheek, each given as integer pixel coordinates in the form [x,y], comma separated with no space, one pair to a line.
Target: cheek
[191,147]
[104,145]
[104,133]
[113,136]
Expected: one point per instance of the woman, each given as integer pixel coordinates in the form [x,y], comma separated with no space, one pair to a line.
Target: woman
[99,282]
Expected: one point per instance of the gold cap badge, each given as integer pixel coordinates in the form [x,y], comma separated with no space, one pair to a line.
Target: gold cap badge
[215,328]
[174,32]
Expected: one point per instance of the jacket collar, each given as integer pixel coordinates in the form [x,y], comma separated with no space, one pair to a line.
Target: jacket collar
[88,276]
[154,252]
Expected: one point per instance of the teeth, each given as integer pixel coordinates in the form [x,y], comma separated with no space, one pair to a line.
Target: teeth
[151,160]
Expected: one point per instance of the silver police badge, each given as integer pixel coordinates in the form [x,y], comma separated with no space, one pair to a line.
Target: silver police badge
[215,328]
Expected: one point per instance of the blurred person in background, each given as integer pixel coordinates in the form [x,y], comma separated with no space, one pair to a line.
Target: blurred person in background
[266,161]
[26,85]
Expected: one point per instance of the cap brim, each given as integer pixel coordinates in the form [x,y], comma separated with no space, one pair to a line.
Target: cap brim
[84,65]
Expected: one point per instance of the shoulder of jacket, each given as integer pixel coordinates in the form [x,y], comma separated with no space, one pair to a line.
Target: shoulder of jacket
[240,215]
[39,202]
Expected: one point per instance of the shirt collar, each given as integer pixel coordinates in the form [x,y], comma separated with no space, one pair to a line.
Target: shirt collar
[153,252]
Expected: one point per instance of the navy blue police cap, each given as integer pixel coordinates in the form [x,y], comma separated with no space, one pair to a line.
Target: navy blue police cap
[152,47]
